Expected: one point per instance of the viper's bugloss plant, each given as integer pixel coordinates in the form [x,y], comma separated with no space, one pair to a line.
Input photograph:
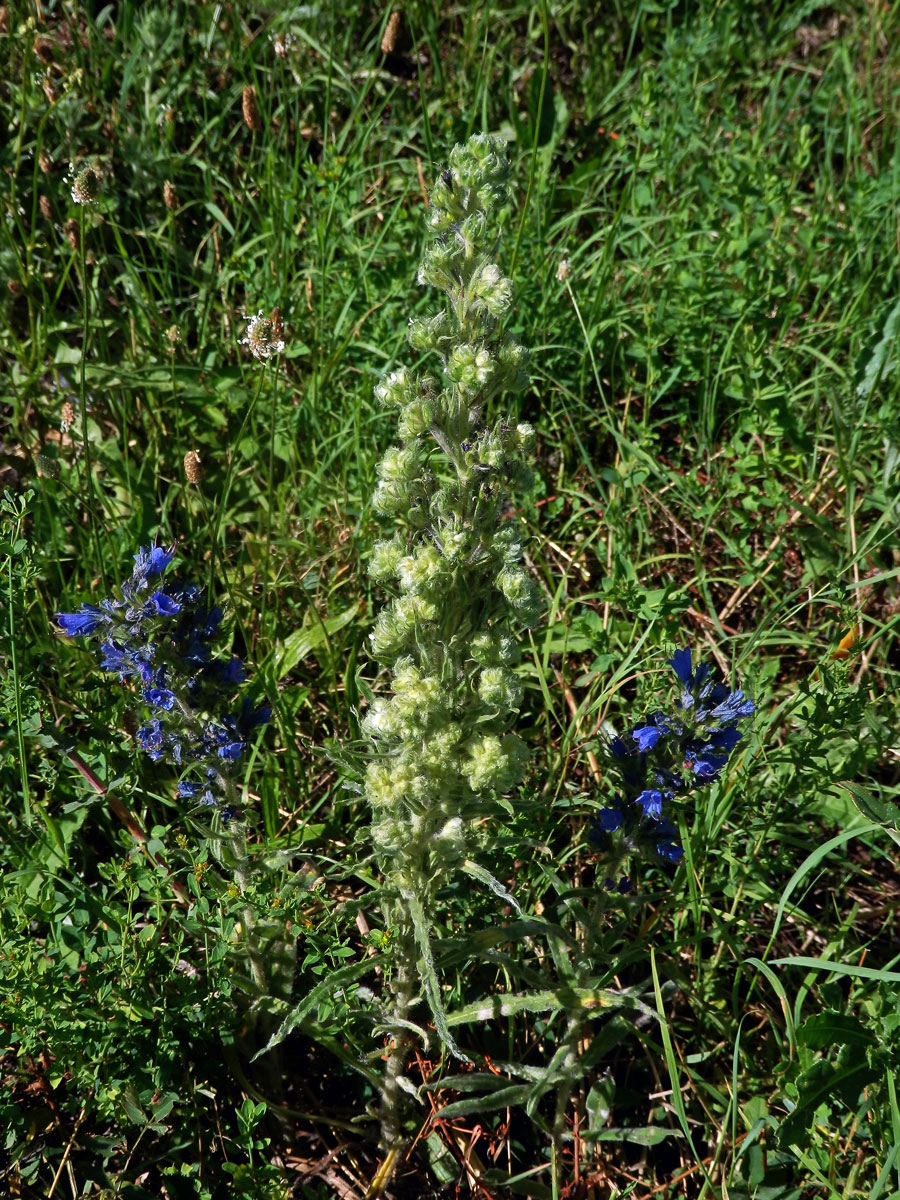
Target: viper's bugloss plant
[664,756]
[161,636]
[443,751]
[160,633]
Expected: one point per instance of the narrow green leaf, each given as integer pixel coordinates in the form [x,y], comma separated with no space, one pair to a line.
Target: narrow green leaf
[672,1065]
[562,999]
[640,1135]
[329,985]
[508,1097]
[429,974]
[823,964]
[301,643]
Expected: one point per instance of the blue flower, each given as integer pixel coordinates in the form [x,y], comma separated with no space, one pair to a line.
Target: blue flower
[152,561]
[609,819]
[233,671]
[249,717]
[725,739]
[651,801]
[664,756]
[646,737]
[163,637]
[165,605]
[151,738]
[160,697]
[117,659]
[84,623]
[681,664]
[734,708]
[705,763]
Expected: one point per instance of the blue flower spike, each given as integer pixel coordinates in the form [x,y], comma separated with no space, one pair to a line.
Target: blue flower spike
[160,634]
[664,756]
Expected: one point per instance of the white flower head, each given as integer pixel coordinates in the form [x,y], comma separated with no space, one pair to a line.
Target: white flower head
[85,184]
[563,270]
[263,337]
[282,44]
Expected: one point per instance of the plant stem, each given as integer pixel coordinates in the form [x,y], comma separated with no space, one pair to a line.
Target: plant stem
[402,986]
[229,475]
[95,509]
[14,666]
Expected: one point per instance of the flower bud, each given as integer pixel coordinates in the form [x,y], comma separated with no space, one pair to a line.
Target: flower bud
[491,290]
[381,720]
[415,418]
[499,689]
[397,389]
[470,367]
[385,834]
[493,763]
[423,571]
[526,438]
[439,268]
[471,234]
[418,697]
[521,593]
[385,560]
[428,333]
[507,545]
[441,750]
[457,546]
[388,637]
[489,452]
[451,839]
[513,359]
[400,464]
[412,609]
[390,498]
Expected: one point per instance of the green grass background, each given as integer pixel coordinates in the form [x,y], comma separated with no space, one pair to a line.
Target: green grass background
[716,399]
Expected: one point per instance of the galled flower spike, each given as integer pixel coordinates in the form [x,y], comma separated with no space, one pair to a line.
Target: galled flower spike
[663,756]
[160,633]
